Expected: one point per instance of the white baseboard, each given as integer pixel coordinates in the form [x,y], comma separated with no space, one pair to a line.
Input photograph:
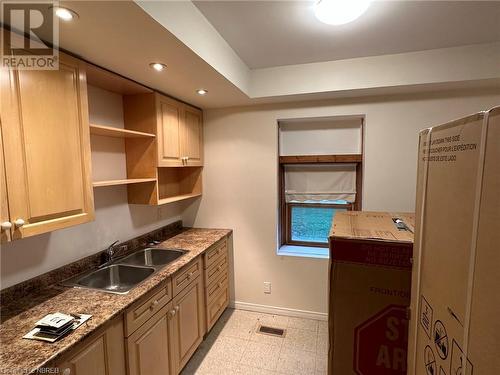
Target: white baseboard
[278,310]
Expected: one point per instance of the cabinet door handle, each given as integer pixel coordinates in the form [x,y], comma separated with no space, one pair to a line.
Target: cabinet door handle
[6,225]
[171,313]
[19,223]
[190,275]
[153,304]
[176,308]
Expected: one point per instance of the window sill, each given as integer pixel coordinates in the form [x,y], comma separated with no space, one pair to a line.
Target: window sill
[304,251]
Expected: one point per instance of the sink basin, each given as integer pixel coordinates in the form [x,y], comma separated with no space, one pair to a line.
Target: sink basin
[116,278]
[152,257]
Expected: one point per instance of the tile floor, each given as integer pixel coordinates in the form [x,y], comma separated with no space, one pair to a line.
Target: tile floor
[234,347]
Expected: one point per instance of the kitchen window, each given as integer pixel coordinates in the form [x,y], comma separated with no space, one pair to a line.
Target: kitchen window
[314,188]
[313,193]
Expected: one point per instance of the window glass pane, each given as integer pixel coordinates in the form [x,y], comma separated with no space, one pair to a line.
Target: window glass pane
[312,224]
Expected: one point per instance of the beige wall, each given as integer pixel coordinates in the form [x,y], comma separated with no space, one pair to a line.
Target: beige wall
[240,182]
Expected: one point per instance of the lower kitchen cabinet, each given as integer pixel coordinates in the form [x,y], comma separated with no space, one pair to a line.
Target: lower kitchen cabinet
[148,348]
[100,355]
[188,323]
[159,333]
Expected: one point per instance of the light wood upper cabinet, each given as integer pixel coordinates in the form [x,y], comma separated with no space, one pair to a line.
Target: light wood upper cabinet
[5,222]
[46,146]
[101,355]
[188,323]
[170,123]
[192,137]
[178,126]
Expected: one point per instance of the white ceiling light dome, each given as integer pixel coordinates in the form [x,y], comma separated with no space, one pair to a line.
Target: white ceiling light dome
[339,12]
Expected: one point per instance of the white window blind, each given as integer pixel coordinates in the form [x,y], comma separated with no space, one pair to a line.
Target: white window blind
[321,182]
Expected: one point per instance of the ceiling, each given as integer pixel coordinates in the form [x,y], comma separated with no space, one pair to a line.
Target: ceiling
[124,38]
[121,37]
[276,33]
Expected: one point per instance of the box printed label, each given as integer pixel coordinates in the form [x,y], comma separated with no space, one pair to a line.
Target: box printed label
[440,338]
[430,361]
[460,365]
[425,318]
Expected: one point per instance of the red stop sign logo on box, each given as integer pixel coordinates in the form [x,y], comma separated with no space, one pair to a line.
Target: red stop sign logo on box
[381,342]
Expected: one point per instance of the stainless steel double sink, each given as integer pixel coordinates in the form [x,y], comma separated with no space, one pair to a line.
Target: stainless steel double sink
[124,274]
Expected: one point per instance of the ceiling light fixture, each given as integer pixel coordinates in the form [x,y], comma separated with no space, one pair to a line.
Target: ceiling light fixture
[65,14]
[202,92]
[339,12]
[157,66]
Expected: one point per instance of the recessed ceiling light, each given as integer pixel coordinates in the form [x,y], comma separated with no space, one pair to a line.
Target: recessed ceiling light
[202,92]
[65,14]
[339,12]
[157,66]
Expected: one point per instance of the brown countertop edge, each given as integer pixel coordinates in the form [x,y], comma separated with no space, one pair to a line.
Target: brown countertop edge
[18,355]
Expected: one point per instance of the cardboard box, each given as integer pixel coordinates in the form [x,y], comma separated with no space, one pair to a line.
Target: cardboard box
[370,279]
[455,325]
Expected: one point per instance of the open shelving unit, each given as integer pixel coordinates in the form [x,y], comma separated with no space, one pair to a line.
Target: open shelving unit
[126,152]
[122,182]
[109,131]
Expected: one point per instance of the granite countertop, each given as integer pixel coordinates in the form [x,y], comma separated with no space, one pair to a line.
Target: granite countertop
[20,356]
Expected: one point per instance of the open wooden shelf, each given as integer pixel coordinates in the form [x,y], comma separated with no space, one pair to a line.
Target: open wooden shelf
[122,182]
[109,131]
[178,198]
[178,183]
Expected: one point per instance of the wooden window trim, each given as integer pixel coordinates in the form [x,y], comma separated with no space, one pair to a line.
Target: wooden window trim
[284,207]
[313,159]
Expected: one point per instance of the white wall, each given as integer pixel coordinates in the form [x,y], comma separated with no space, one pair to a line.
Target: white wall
[445,65]
[240,182]
[326,136]
[115,218]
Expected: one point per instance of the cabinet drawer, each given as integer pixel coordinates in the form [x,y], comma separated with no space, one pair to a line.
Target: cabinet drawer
[139,313]
[213,254]
[215,289]
[217,307]
[216,269]
[185,275]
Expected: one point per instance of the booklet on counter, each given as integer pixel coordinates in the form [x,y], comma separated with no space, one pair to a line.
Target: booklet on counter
[54,326]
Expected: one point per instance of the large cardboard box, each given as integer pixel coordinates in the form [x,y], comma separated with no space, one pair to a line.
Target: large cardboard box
[370,279]
[455,325]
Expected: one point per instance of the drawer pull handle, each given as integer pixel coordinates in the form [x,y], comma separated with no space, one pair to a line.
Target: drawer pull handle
[171,313]
[153,304]
[19,223]
[189,275]
[176,308]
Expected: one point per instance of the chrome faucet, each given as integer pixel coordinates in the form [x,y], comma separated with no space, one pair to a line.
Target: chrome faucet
[107,255]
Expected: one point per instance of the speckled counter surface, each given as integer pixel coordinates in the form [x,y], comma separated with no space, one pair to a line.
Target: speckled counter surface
[19,356]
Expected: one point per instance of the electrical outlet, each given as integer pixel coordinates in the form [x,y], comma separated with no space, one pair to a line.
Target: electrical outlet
[267,287]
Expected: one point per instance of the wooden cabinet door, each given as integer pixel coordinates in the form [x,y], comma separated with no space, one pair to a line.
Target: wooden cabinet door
[188,323]
[4,213]
[148,348]
[192,137]
[103,355]
[169,132]
[47,149]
